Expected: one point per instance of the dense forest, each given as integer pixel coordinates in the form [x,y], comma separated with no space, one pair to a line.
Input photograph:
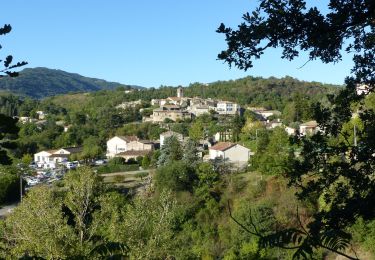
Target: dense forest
[43,82]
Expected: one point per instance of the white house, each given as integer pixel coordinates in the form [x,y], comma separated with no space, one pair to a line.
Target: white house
[50,158]
[230,152]
[267,113]
[167,134]
[310,127]
[118,144]
[41,115]
[290,130]
[362,89]
[227,108]
[198,110]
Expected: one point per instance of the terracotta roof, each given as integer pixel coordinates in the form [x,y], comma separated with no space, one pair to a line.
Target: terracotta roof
[222,146]
[128,138]
[174,98]
[312,123]
[73,149]
[60,155]
[50,151]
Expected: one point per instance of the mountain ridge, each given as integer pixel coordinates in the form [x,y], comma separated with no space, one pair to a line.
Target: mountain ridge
[42,82]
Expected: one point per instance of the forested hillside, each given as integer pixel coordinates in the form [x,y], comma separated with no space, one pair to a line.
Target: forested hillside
[272,93]
[43,82]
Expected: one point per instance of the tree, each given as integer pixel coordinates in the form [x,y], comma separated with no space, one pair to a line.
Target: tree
[190,155]
[91,148]
[277,158]
[290,25]
[148,227]
[7,124]
[175,176]
[72,222]
[237,123]
[8,132]
[8,69]
[37,227]
[9,184]
[146,161]
[196,131]
[170,151]
[207,179]
[83,189]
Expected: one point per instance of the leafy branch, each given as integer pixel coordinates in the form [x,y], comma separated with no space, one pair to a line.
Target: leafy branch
[9,67]
[300,239]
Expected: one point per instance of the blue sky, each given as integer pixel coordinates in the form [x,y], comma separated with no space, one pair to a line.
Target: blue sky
[142,42]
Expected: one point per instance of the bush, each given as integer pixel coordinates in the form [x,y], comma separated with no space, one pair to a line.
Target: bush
[119,178]
[117,168]
[9,185]
[176,176]
[117,161]
[141,174]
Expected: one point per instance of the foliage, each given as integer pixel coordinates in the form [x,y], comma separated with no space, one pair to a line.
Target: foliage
[148,227]
[67,223]
[146,161]
[8,66]
[326,165]
[190,156]
[42,82]
[9,184]
[111,168]
[277,157]
[91,148]
[196,131]
[170,151]
[37,227]
[8,132]
[364,233]
[175,176]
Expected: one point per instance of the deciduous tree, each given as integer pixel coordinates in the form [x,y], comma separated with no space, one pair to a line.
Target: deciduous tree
[346,26]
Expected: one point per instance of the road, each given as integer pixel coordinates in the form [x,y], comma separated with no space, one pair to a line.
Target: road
[5,210]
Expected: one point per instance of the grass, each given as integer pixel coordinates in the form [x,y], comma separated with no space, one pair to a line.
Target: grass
[126,180]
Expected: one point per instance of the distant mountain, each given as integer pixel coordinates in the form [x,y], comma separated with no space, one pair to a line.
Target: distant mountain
[43,82]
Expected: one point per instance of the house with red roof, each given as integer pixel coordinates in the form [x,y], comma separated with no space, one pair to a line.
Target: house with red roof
[230,152]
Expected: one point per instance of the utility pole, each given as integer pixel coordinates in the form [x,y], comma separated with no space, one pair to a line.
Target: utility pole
[20,187]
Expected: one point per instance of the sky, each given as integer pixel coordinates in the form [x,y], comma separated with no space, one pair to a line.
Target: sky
[143,42]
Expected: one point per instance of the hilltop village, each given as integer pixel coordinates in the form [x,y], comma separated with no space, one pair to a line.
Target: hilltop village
[177,156]
[211,146]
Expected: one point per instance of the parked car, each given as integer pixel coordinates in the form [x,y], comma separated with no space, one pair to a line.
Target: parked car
[33,165]
[71,165]
[99,162]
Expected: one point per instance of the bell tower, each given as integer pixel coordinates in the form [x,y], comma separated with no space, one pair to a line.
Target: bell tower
[180,92]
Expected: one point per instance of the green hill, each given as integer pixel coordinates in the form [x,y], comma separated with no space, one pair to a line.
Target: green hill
[43,82]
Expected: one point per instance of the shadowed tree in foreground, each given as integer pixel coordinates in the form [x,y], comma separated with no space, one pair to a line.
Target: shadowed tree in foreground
[8,128]
[336,171]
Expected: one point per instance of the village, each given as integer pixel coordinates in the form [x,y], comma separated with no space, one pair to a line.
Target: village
[211,148]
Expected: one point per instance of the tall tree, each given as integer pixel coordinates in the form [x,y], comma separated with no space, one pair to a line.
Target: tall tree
[75,222]
[170,151]
[7,124]
[343,169]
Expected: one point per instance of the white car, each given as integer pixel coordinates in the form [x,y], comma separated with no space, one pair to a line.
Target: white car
[99,162]
[31,181]
[71,165]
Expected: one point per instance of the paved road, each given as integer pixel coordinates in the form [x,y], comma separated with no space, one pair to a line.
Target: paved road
[5,210]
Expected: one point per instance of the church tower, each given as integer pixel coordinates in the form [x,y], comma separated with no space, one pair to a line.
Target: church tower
[180,92]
